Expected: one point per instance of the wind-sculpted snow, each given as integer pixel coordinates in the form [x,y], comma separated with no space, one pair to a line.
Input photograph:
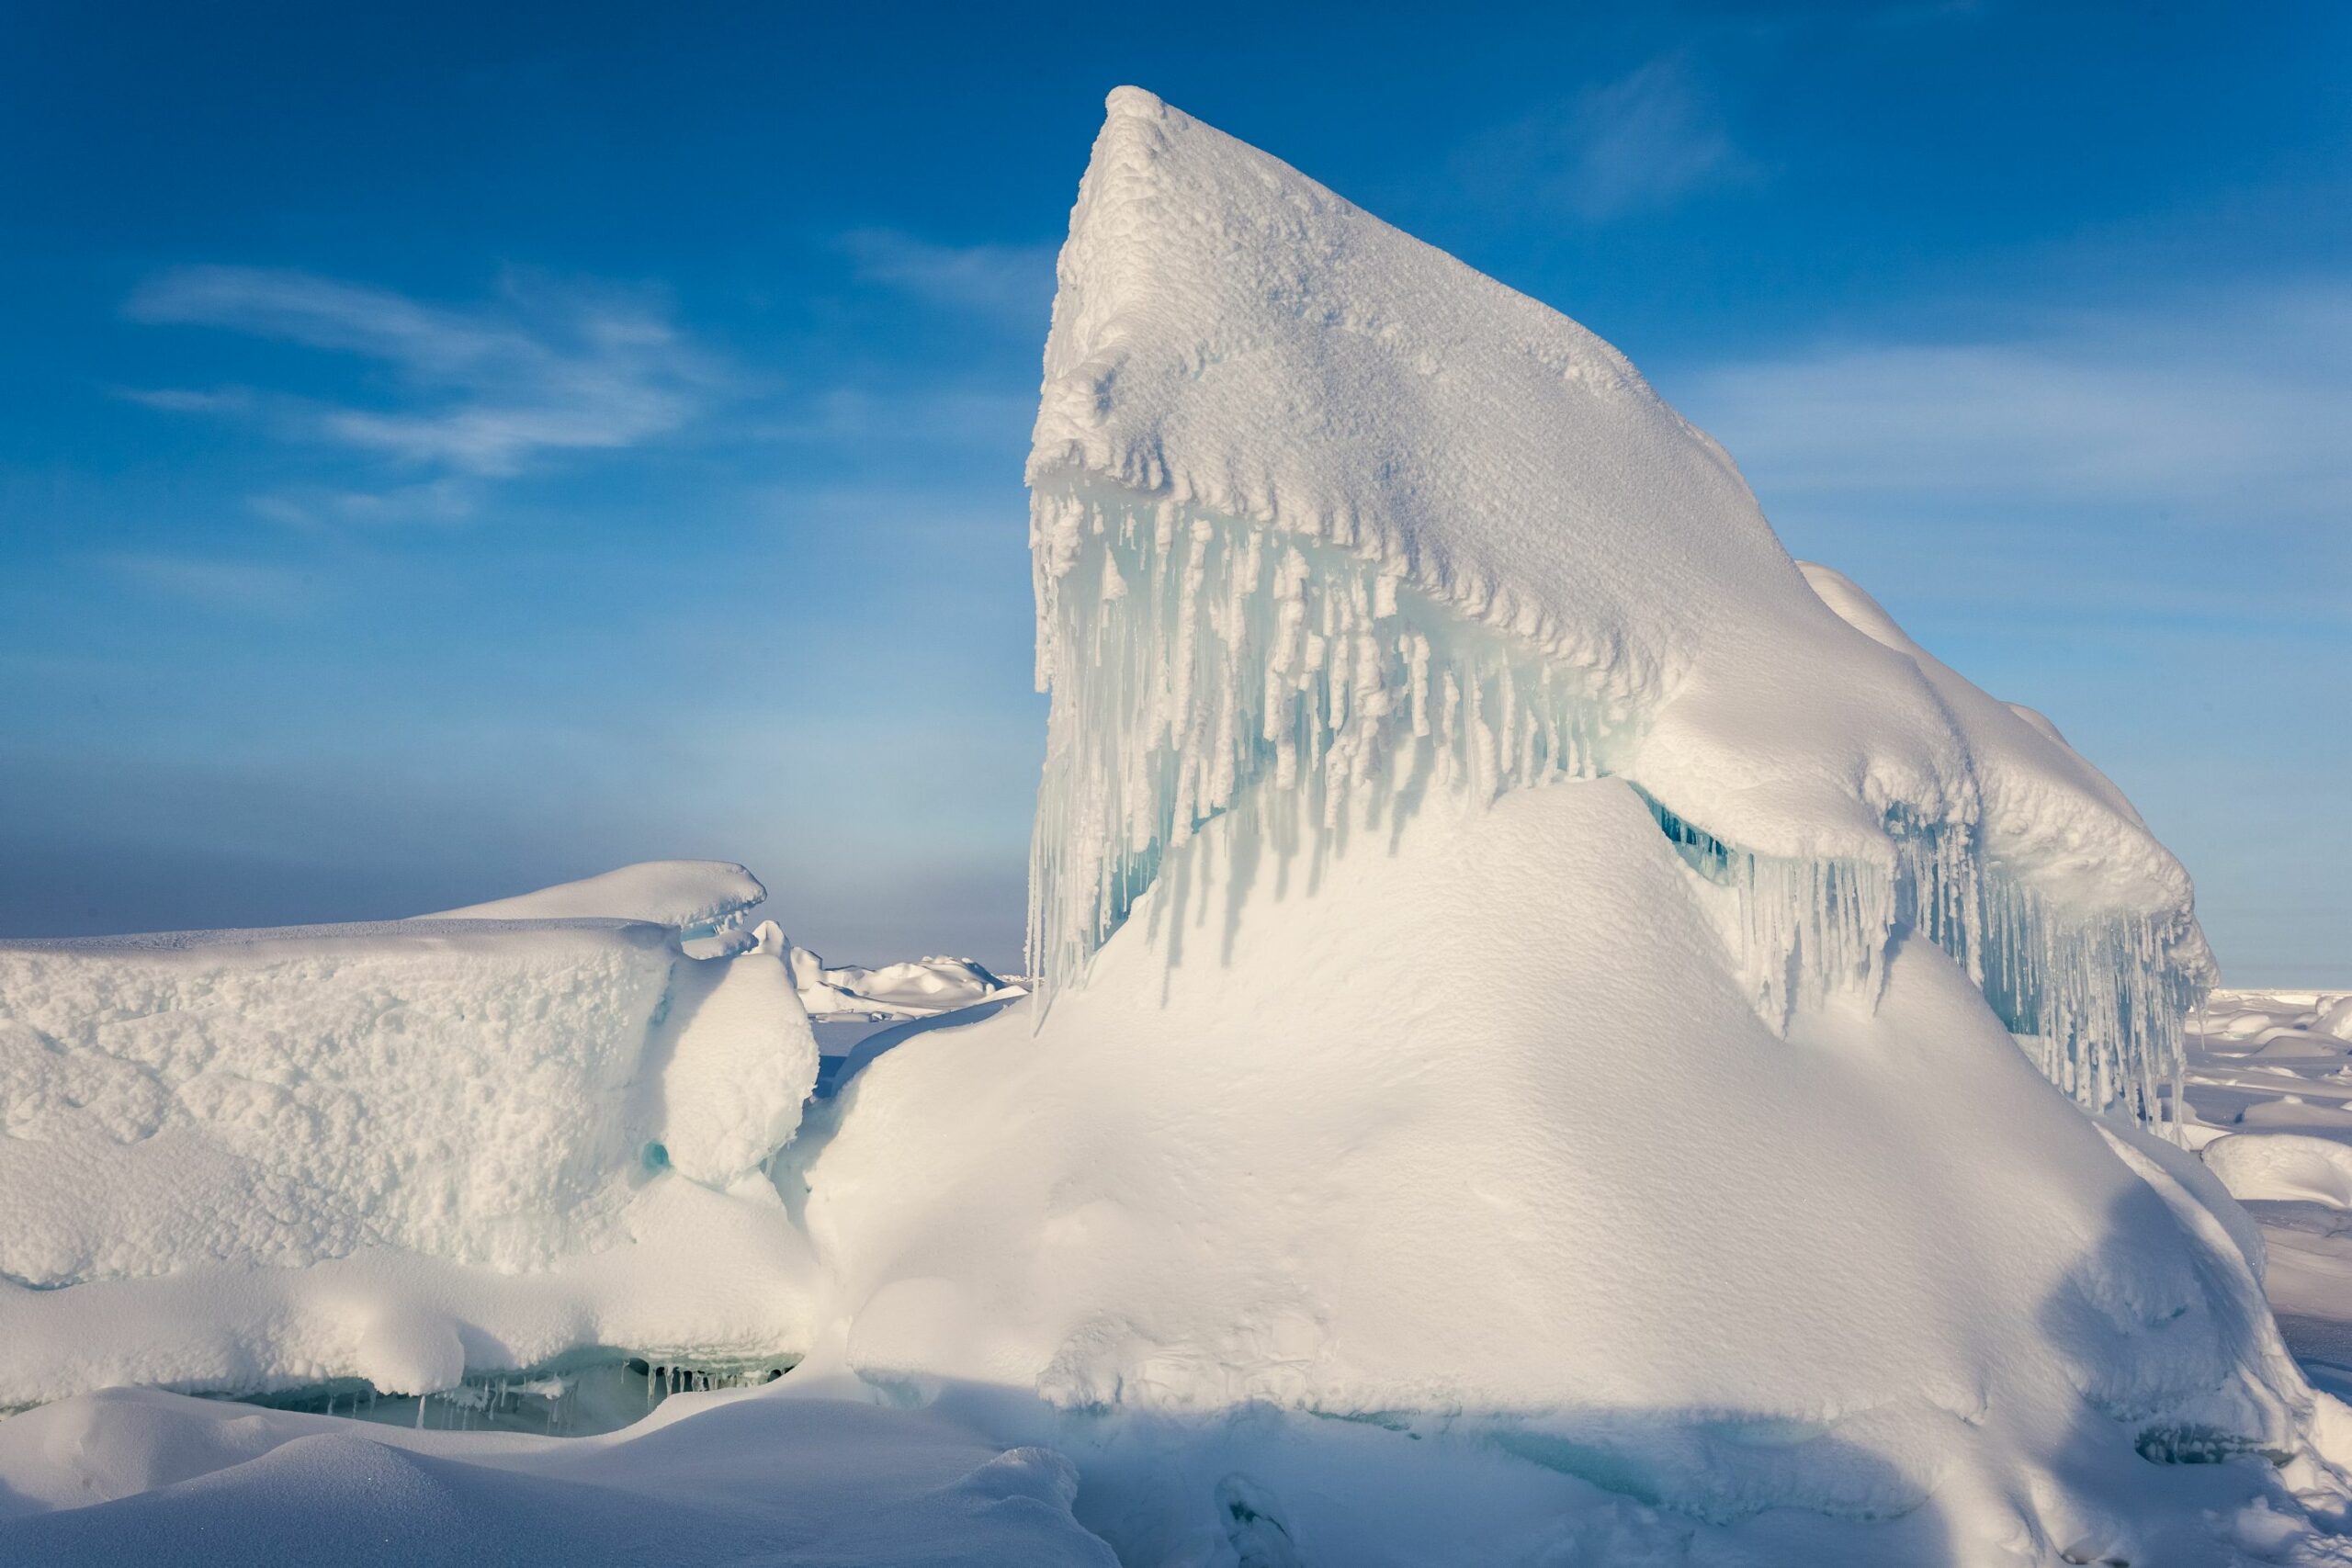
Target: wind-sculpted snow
[244,1158]
[696,897]
[916,988]
[1316,506]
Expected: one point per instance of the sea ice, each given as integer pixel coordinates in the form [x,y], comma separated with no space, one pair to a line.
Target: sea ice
[245,1159]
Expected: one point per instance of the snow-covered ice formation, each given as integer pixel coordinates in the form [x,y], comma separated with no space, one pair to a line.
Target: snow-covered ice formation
[916,988]
[246,1159]
[1314,503]
[1525,964]
[1527,1067]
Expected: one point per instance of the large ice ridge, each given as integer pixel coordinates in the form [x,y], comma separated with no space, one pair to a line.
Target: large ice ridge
[1482,554]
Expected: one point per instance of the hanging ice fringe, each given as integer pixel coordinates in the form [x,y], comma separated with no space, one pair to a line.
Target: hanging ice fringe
[1192,660]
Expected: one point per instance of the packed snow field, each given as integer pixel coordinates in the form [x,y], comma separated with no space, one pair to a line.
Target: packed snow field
[1559,1035]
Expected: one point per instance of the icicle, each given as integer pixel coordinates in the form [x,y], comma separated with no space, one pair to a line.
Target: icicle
[1194,661]
[1191,659]
[2095,1000]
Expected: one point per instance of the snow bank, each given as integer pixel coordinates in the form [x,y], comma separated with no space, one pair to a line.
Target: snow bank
[244,1159]
[143,1477]
[696,897]
[1315,503]
[2283,1167]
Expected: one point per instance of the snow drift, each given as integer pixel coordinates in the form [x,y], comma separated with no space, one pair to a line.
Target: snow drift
[806,1483]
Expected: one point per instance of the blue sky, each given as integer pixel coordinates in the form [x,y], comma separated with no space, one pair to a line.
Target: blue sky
[446,450]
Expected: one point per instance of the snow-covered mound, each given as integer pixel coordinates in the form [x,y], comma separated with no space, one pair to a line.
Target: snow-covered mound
[1314,503]
[2283,1167]
[917,987]
[243,1159]
[696,897]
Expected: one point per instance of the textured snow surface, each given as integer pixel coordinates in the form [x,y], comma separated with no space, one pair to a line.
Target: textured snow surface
[240,1159]
[1535,1172]
[1316,504]
[143,1477]
[691,896]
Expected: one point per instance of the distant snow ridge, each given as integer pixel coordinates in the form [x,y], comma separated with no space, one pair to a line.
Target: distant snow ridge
[1482,554]
[917,987]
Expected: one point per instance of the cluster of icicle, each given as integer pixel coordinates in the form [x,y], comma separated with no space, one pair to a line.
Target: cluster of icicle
[1192,659]
[2096,1000]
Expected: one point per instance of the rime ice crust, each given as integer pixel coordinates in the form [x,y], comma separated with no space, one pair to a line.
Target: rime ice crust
[1314,503]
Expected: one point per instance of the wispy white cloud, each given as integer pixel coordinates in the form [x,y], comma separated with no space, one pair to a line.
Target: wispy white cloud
[480,392]
[2232,407]
[1009,280]
[233,586]
[1641,142]
[2182,462]
[448,499]
[847,417]
[182,399]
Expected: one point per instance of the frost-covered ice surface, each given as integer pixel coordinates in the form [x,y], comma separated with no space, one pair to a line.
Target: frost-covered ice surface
[1562,1038]
[249,1159]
